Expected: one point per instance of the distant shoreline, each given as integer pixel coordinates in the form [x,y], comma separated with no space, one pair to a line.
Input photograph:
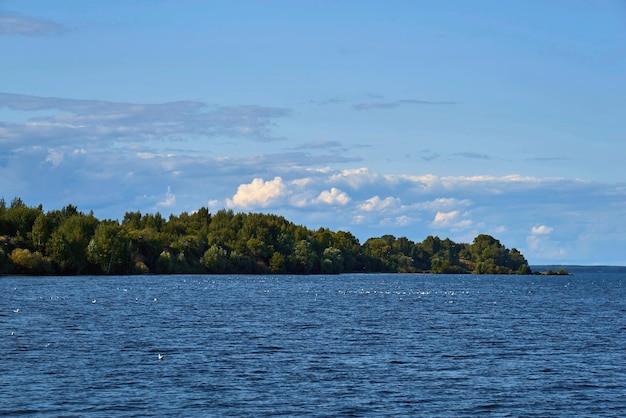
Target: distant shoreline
[575,268]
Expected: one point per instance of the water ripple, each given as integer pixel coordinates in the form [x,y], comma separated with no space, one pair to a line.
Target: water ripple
[362,345]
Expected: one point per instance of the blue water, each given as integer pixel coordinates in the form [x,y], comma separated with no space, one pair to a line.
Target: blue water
[349,345]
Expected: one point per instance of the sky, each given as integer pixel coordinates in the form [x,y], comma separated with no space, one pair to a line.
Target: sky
[412,118]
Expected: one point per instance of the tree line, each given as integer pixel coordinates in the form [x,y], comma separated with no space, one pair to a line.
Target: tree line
[70,242]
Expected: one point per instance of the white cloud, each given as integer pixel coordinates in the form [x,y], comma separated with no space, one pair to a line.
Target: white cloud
[357,178]
[487,183]
[302,182]
[106,179]
[333,196]
[259,193]
[453,220]
[54,157]
[379,205]
[375,212]
[541,230]
[444,219]
[169,200]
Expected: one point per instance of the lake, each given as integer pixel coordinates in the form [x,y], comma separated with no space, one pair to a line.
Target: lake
[348,345]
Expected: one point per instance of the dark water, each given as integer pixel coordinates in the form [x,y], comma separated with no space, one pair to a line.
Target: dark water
[350,345]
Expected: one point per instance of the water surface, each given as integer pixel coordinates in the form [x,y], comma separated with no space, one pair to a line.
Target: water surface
[349,345]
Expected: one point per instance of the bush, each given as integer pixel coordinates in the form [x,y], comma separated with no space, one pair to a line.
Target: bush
[26,262]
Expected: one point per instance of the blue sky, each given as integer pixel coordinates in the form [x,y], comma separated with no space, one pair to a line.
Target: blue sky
[411,118]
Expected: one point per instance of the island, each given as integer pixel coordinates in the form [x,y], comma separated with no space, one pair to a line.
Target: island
[69,242]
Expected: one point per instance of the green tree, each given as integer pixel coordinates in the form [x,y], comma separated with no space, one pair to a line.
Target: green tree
[18,221]
[405,264]
[382,253]
[108,248]
[222,230]
[68,244]
[132,220]
[41,232]
[516,262]
[332,261]
[225,242]
[277,263]
[488,253]
[350,249]
[303,259]
[215,259]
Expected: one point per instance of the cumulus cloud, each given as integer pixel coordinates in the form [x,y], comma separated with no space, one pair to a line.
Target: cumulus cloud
[451,203]
[453,220]
[113,174]
[259,193]
[15,23]
[333,196]
[443,219]
[379,205]
[303,182]
[541,230]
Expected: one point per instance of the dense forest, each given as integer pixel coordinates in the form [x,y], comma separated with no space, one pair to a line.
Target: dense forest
[70,242]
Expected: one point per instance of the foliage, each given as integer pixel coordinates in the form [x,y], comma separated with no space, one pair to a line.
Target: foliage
[68,241]
[30,263]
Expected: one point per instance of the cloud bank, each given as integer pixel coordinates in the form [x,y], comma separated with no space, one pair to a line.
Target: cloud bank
[114,157]
[514,208]
[89,121]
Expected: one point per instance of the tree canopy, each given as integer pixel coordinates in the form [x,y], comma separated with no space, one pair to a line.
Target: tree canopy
[70,242]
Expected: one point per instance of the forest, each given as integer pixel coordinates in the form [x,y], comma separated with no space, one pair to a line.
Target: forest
[70,242]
